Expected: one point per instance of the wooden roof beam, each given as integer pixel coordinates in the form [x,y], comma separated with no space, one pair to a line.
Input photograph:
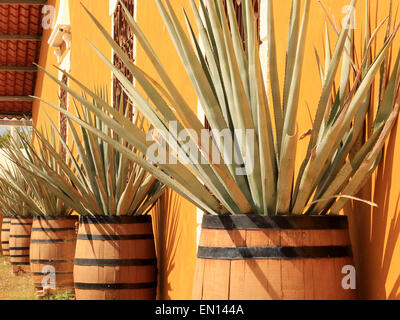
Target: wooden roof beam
[15,99]
[24,2]
[21,37]
[16,123]
[12,114]
[18,68]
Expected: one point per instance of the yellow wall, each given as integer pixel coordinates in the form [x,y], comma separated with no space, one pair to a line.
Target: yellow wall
[85,64]
[179,277]
[374,233]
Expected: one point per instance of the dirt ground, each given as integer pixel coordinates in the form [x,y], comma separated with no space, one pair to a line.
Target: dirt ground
[15,287]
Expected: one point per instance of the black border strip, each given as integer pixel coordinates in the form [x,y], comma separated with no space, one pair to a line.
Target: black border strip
[58,286]
[22,224]
[20,236]
[115,262]
[49,218]
[52,229]
[20,263]
[19,248]
[46,273]
[5,242]
[115,219]
[20,256]
[107,237]
[5,230]
[254,222]
[46,261]
[115,286]
[274,252]
[53,241]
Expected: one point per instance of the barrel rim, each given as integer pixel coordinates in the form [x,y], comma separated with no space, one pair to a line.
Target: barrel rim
[51,230]
[115,237]
[47,261]
[50,218]
[257,222]
[48,241]
[115,286]
[22,263]
[84,262]
[115,219]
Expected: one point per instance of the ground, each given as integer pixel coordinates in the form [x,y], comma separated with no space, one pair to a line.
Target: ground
[20,287]
[13,287]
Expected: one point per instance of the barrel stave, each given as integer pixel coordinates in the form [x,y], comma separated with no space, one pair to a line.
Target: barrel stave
[20,233]
[53,244]
[5,239]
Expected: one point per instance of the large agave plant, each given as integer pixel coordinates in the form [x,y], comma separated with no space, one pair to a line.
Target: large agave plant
[226,72]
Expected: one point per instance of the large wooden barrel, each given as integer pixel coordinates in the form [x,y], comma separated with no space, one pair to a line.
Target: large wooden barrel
[20,235]
[5,239]
[115,259]
[278,258]
[52,252]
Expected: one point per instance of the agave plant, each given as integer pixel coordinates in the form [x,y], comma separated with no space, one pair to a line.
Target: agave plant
[15,194]
[6,210]
[226,72]
[33,191]
[91,177]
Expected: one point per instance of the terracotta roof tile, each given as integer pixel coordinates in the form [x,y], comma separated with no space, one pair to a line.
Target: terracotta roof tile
[18,20]
[13,110]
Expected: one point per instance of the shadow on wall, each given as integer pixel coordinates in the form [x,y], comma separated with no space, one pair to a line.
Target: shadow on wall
[375,233]
[165,224]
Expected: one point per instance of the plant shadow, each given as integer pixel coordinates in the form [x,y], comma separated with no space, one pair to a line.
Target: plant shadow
[167,238]
[375,232]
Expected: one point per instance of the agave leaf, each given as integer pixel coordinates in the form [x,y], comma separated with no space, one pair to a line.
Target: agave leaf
[331,188]
[212,62]
[329,78]
[365,169]
[335,133]
[291,51]
[285,180]
[274,78]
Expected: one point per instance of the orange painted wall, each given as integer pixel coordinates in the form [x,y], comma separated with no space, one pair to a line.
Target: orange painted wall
[178,277]
[374,233]
[85,64]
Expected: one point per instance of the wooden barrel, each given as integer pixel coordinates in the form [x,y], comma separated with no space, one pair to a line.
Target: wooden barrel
[20,235]
[52,252]
[5,239]
[115,259]
[273,258]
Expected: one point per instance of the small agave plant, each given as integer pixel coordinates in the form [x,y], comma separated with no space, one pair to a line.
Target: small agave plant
[16,196]
[28,179]
[226,72]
